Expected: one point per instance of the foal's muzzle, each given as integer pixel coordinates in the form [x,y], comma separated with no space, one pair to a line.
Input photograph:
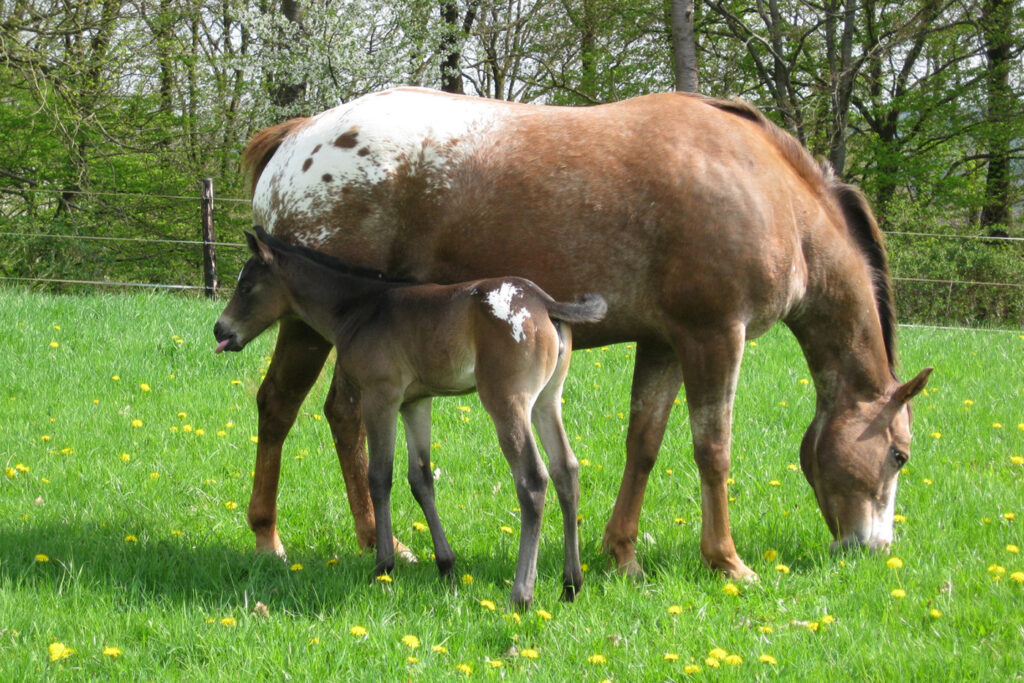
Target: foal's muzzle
[226,339]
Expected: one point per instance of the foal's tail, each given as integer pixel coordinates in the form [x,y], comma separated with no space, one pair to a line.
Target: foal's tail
[589,309]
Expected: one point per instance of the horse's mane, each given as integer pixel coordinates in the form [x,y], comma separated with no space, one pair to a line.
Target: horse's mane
[257,153]
[324,259]
[848,199]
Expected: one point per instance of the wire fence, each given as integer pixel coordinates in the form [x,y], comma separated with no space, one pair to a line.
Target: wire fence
[129,240]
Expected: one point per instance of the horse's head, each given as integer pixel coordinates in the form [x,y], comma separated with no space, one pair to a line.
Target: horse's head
[259,301]
[851,456]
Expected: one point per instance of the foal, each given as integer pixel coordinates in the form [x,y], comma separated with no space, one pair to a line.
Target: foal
[401,344]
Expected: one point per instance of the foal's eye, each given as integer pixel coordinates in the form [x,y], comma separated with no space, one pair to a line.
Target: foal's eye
[898,456]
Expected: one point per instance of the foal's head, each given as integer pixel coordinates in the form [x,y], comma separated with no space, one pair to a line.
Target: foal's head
[852,455]
[259,301]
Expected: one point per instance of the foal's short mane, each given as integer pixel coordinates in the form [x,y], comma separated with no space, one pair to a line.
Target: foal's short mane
[849,200]
[324,259]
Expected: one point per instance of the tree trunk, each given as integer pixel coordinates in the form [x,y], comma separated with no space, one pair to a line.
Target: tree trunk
[455,32]
[285,94]
[997,26]
[684,46]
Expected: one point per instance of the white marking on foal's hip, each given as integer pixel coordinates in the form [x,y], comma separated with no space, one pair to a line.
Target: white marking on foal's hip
[500,301]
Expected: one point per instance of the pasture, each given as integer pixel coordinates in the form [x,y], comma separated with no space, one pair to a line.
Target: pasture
[127,449]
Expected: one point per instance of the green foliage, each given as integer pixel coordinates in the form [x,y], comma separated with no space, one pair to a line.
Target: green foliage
[147,549]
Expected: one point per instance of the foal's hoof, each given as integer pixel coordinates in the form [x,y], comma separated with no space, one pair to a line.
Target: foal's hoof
[736,570]
[403,551]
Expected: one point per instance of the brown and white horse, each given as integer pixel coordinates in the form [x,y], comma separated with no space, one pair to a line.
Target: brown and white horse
[701,222]
[401,344]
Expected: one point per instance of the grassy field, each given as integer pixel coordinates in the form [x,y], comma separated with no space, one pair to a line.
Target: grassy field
[127,452]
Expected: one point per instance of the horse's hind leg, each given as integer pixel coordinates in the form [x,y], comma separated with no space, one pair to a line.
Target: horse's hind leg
[421,480]
[298,358]
[656,381]
[531,480]
[564,468]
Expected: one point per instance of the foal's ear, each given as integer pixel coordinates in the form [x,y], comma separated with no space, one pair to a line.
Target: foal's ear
[259,249]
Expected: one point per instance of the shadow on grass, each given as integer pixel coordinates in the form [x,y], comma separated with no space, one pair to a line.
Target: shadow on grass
[184,570]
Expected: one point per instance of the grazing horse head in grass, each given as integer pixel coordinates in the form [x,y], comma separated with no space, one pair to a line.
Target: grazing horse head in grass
[700,221]
[400,344]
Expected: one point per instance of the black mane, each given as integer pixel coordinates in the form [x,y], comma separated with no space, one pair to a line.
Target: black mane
[324,259]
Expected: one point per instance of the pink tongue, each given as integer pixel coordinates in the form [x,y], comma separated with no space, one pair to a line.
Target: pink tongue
[222,345]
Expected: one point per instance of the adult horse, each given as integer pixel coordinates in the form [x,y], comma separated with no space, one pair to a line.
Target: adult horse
[701,223]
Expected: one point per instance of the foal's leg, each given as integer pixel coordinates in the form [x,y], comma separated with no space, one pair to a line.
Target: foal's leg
[298,358]
[421,480]
[656,380]
[547,417]
[531,480]
[711,365]
[342,409]
[380,414]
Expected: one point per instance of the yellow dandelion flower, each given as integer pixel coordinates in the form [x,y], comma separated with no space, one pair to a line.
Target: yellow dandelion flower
[412,660]
[733,660]
[691,669]
[230,505]
[680,520]
[467,579]
[144,387]
[675,609]
[1012,549]
[934,613]
[997,425]
[1010,515]
[384,578]
[236,382]
[495,663]
[544,614]
[358,631]
[40,558]
[228,621]
[996,569]
[411,641]
[968,402]
[770,555]
[45,437]
[59,651]
[488,605]
[440,649]
[936,435]
[331,562]
[731,589]
[115,378]
[775,482]
[712,662]
[765,629]
[113,652]
[767,659]
[782,568]
[671,657]
[125,457]
[54,345]
[10,472]
[793,467]
[827,619]
[898,593]
[130,539]
[718,653]
[894,563]
[597,659]
[296,567]
[21,468]
[1017,459]
[254,439]
[1017,576]
[154,475]
[506,529]
[813,626]
[899,519]
[136,422]
[464,669]
[419,526]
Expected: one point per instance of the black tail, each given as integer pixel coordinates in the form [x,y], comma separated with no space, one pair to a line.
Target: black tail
[589,309]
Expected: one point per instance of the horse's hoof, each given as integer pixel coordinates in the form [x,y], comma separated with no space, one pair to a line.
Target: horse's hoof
[403,551]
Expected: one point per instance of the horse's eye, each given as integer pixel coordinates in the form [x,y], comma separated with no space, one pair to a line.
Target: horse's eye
[898,456]
[244,287]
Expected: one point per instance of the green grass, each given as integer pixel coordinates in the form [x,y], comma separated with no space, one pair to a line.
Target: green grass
[150,553]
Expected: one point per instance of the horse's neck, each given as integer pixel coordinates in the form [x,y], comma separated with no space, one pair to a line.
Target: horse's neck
[324,297]
[840,332]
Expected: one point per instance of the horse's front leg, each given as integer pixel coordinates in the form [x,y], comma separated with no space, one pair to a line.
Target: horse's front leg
[298,359]
[711,364]
[380,414]
[416,417]
[656,381]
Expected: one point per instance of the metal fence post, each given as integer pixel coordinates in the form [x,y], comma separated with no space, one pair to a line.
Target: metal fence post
[209,238]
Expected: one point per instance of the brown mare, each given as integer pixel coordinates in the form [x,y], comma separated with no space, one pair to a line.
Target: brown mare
[401,344]
[701,222]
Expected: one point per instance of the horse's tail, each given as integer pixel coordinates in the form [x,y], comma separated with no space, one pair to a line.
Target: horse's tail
[590,308]
[261,148]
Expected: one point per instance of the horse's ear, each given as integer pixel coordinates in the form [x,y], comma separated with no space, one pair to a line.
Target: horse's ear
[258,247]
[911,388]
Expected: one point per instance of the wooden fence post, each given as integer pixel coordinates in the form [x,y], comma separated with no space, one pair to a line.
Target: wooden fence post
[209,251]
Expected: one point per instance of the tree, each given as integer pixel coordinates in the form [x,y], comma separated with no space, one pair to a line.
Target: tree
[684,46]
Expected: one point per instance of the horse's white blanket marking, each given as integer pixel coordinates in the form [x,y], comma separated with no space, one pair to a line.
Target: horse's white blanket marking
[500,301]
[364,143]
